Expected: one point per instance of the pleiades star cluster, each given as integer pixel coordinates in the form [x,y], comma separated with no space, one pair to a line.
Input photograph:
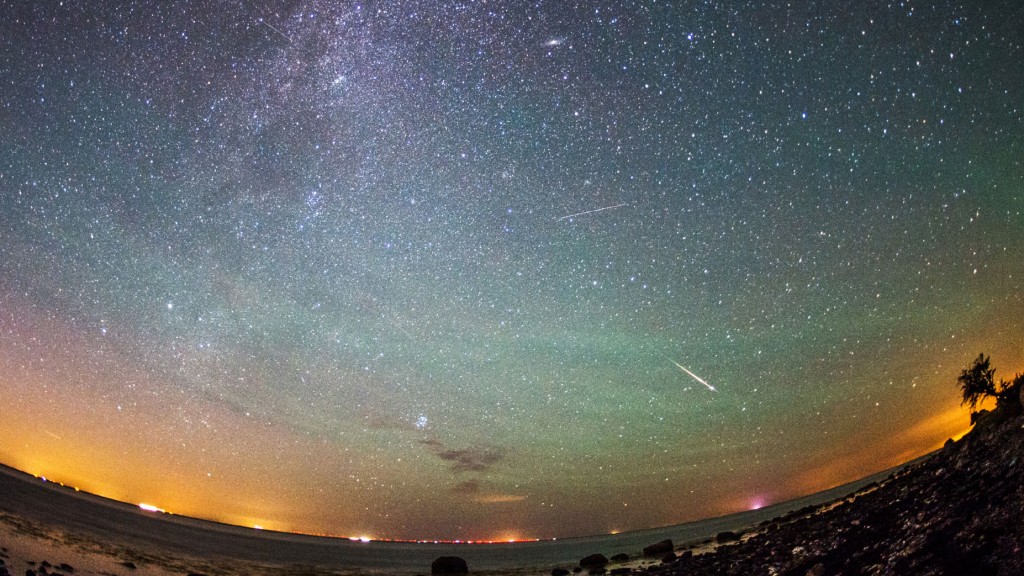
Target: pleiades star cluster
[499,270]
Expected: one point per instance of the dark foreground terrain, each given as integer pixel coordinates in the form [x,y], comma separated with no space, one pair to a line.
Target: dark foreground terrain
[957,513]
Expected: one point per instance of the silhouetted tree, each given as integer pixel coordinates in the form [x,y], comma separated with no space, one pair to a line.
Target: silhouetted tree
[977,382]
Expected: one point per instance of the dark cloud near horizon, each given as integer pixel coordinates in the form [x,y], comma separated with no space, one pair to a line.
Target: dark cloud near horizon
[475,459]
[479,458]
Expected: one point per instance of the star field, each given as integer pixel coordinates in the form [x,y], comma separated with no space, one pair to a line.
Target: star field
[428,269]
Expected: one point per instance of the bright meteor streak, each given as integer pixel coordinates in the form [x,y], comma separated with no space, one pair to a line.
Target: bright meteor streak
[692,375]
[592,211]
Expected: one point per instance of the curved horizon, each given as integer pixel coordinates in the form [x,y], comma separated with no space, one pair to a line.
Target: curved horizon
[36,509]
[429,270]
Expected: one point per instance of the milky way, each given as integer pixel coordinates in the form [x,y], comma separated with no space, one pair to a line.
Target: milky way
[430,270]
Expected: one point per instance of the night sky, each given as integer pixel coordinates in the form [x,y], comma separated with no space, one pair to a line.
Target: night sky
[492,270]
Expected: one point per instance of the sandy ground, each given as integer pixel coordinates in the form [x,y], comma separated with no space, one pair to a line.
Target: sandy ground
[27,545]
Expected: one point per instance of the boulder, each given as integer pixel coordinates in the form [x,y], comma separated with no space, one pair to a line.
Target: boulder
[559,572]
[658,548]
[979,417]
[594,561]
[726,536]
[620,557]
[449,565]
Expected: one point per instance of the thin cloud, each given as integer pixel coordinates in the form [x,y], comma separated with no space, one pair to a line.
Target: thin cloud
[469,487]
[498,498]
[474,491]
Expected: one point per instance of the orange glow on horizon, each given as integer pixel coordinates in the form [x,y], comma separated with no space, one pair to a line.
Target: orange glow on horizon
[858,461]
[921,438]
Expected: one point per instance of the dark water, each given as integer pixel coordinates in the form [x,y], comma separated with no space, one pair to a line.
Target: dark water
[116,522]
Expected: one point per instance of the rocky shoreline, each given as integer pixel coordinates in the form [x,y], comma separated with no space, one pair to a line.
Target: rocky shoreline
[958,513]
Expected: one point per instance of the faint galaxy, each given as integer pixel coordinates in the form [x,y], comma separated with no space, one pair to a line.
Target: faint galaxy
[427,269]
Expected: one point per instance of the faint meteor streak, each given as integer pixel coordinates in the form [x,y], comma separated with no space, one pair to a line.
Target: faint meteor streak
[591,211]
[692,375]
[52,434]
[274,28]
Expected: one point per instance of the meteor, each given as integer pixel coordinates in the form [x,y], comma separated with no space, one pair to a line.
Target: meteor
[692,375]
[275,29]
[591,211]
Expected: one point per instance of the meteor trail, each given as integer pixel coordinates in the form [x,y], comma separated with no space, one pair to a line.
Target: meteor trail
[274,28]
[592,211]
[692,375]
